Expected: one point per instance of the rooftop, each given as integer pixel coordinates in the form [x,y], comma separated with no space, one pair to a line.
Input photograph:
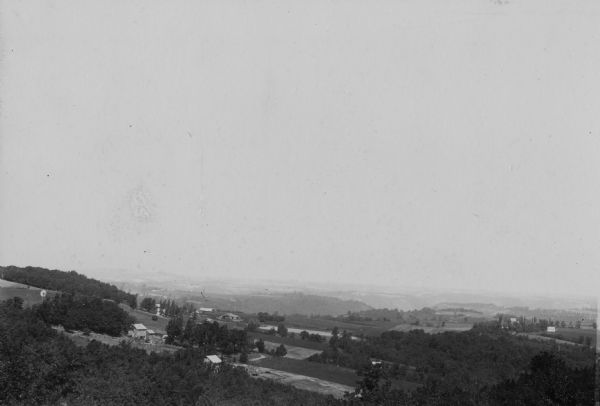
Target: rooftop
[214,359]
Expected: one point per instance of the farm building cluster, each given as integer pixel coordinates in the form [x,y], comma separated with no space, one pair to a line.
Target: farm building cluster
[141,332]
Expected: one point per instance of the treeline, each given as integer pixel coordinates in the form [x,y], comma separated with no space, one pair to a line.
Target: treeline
[75,312]
[265,317]
[469,360]
[533,324]
[40,366]
[68,282]
[211,337]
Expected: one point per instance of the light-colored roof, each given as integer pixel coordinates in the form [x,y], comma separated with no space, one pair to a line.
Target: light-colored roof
[139,327]
[150,332]
[206,309]
[214,359]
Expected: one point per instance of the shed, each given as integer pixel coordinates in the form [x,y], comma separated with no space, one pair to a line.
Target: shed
[213,360]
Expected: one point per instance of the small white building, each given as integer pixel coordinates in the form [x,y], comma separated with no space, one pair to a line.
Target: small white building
[551,329]
[206,310]
[139,331]
[213,360]
[513,320]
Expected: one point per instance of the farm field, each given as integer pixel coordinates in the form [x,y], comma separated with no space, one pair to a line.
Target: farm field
[327,372]
[299,381]
[293,352]
[434,330]
[296,341]
[572,334]
[323,324]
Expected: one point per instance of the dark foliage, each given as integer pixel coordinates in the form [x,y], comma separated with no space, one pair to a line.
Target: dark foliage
[210,337]
[265,317]
[148,304]
[455,367]
[67,282]
[84,313]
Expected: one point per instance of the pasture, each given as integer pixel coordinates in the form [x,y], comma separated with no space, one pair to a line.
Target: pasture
[320,324]
[299,381]
[326,372]
[29,294]
[575,335]
[289,341]
[293,352]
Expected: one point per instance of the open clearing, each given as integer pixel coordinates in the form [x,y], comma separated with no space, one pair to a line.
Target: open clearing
[434,330]
[293,352]
[29,294]
[573,334]
[565,336]
[295,341]
[299,381]
[326,372]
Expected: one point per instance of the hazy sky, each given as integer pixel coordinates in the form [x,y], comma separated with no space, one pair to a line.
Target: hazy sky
[425,143]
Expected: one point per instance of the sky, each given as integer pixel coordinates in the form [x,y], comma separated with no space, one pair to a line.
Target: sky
[440,144]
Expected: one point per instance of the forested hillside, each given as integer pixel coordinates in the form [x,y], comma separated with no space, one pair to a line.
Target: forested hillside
[468,367]
[68,282]
[39,366]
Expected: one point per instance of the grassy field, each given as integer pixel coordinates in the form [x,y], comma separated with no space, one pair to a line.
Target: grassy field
[313,345]
[369,328]
[30,295]
[326,372]
[317,370]
[572,334]
[434,330]
[293,351]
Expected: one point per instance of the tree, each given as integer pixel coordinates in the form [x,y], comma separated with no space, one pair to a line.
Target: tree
[148,304]
[334,337]
[260,345]
[375,385]
[243,357]
[174,329]
[281,351]
[253,325]
[304,335]
[282,330]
